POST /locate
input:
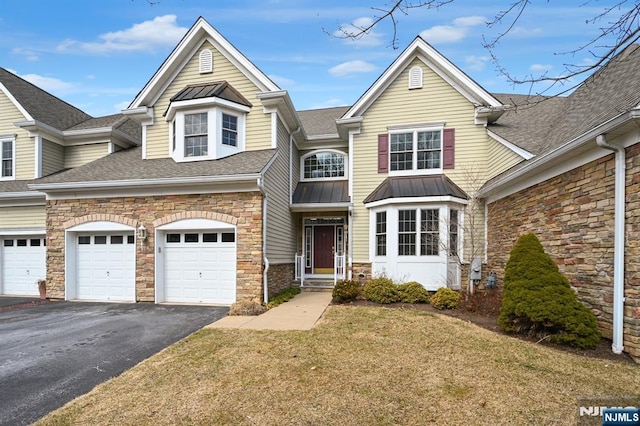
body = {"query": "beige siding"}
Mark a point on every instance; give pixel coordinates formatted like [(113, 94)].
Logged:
[(501, 158), (281, 244), (52, 157), (437, 101), (258, 125), (24, 145), (22, 217), (82, 154)]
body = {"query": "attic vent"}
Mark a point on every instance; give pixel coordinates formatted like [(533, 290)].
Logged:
[(206, 61), (415, 78)]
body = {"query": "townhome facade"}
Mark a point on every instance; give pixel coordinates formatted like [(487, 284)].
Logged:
[(210, 187)]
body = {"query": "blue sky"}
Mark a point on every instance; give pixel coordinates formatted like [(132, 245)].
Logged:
[(97, 54)]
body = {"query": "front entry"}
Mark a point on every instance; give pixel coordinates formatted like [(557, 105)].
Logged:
[(324, 249)]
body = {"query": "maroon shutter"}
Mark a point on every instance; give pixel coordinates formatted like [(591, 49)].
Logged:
[(383, 153), (449, 149)]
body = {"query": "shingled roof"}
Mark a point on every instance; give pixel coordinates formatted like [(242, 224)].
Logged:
[(540, 125), (321, 122), (129, 165), (41, 105)]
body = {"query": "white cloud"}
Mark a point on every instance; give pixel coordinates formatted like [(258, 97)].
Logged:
[(162, 31), (352, 33), (28, 54), (282, 81), (351, 67), (329, 103), (49, 84), (541, 67), (477, 63), (121, 105), (452, 33)]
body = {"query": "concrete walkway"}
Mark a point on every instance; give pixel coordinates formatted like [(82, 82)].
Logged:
[(300, 313)]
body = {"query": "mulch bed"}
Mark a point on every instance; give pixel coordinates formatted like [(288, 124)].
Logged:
[(490, 322)]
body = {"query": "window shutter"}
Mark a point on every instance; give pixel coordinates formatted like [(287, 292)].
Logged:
[(383, 153), (448, 150)]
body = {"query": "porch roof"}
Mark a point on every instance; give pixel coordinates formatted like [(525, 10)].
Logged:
[(416, 186), (325, 192)]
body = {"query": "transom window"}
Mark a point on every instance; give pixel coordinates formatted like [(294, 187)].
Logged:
[(196, 140), (6, 158), (415, 150), (326, 164)]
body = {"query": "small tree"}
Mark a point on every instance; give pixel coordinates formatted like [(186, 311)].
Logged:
[(538, 299)]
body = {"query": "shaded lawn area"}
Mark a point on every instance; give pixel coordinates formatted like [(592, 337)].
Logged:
[(359, 366)]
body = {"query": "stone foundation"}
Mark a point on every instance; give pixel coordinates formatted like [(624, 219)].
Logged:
[(244, 210), (573, 216), (280, 277)]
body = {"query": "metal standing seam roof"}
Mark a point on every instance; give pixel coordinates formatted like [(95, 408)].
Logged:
[(415, 186), (128, 165), (321, 192), (216, 89)]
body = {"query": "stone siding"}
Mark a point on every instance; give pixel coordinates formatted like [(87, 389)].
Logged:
[(573, 216), (244, 210), (280, 277)]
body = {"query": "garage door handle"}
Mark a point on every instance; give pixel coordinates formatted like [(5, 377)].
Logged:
[(27, 272), (200, 274), (107, 273)]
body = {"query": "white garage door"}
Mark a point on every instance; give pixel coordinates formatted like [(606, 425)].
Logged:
[(23, 264), (200, 267), (106, 267)]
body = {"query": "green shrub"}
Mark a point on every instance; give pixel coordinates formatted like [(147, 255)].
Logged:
[(283, 296), (381, 290), (445, 298), (346, 291), (538, 300), (413, 292)]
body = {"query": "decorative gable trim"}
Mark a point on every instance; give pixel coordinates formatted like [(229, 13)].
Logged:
[(200, 31), (15, 102), (435, 61), (521, 152)]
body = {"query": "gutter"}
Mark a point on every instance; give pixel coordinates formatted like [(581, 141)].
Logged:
[(617, 346), (265, 278)]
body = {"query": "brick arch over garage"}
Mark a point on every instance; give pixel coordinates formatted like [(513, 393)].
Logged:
[(100, 218), (221, 217)]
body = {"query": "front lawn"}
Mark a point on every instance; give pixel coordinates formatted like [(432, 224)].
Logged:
[(360, 366)]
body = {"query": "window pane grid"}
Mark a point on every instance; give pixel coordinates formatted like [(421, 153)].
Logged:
[(406, 233), (324, 164), (429, 232), (7, 159), (401, 149), (429, 149), (229, 130), (195, 135), (453, 232), (381, 234)]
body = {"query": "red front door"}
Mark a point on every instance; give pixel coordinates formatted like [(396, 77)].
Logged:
[(323, 249)]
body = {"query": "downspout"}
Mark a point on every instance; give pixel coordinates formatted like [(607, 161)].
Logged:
[(265, 279), (617, 345)]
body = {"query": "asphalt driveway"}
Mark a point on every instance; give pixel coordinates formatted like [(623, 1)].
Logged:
[(52, 353)]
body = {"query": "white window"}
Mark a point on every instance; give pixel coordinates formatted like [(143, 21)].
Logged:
[(381, 233), (206, 134), (7, 162), (415, 150), (323, 165)]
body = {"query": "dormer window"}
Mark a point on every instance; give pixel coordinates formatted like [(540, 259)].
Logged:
[(323, 165), (207, 122)]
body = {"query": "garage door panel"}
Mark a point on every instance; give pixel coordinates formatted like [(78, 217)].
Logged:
[(200, 272), (23, 264)]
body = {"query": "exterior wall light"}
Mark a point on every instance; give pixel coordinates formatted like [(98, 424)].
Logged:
[(142, 232)]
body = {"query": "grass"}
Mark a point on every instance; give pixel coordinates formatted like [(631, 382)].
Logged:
[(373, 366)]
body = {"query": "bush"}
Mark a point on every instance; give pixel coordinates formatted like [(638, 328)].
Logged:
[(381, 290), (538, 300), (346, 291), (283, 296), (413, 292), (247, 307), (445, 298)]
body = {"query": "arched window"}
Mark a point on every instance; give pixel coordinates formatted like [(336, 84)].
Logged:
[(324, 164)]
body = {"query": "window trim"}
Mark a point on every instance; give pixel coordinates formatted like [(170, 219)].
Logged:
[(414, 152), (319, 151), (12, 141), (215, 148)]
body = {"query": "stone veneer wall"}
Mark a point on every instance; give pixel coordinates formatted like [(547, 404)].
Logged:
[(280, 277), (242, 209), (573, 216)]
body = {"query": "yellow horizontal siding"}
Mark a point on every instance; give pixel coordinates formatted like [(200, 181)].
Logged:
[(258, 125), (24, 145), (437, 101), (501, 158), (52, 157), (76, 156), (22, 217)]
